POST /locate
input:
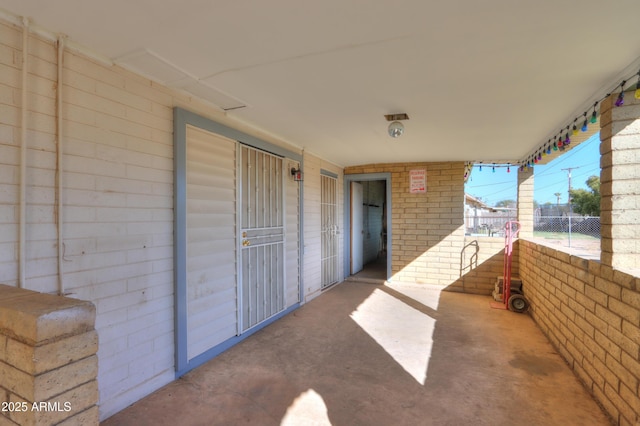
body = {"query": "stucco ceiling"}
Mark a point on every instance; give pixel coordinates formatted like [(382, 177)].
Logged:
[(481, 80)]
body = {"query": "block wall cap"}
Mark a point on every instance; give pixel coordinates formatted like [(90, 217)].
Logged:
[(38, 318)]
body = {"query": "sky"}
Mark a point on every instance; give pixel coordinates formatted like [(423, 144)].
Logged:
[(492, 187)]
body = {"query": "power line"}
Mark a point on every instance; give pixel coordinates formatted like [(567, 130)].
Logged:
[(568, 156)]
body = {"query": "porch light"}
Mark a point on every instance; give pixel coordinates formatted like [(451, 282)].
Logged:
[(396, 128)]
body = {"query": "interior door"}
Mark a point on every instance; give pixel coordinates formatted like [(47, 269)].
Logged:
[(261, 237), (357, 231), (329, 231)]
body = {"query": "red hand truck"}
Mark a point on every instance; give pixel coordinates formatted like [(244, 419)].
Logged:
[(515, 302)]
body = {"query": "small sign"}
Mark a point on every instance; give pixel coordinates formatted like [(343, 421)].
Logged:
[(417, 181)]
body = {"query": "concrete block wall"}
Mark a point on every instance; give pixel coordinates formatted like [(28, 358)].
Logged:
[(478, 275), (427, 229), (591, 313), (48, 363)]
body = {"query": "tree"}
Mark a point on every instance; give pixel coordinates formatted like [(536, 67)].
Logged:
[(506, 203), (587, 202)]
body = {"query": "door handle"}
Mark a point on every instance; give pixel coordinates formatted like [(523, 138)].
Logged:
[(246, 243)]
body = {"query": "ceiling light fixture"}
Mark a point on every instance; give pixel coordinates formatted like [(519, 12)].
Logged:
[(396, 128)]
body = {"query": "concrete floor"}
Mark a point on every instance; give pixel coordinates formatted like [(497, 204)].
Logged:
[(365, 354)]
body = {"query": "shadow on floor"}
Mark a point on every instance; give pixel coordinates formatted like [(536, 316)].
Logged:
[(365, 354)]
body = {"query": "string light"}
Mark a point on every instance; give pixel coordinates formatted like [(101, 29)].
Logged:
[(594, 117), (620, 100), (558, 142)]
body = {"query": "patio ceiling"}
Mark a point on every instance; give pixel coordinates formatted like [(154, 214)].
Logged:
[(480, 81)]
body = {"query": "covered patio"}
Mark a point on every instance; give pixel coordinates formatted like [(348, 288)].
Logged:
[(189, 193), (367, 354)]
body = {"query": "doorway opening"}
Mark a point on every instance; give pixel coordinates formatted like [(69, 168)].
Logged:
[(369, 225)]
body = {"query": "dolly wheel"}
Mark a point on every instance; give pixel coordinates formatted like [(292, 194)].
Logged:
[(517, 303)]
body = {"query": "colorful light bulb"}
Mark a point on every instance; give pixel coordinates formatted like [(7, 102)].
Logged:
[(567, 140), (508, 169), (493, 169), (585, 125), (575, 128), (555, 146), (620, 100)]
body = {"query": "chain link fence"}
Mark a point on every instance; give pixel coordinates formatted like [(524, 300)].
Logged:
[(552, 225), (557, 222)]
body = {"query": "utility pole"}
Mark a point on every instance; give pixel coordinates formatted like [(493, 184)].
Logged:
[(568, 169)]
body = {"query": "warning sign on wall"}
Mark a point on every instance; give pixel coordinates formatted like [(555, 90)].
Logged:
[(417, 181)]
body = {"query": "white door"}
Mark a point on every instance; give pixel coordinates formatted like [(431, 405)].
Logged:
[(357, 231), (329, 232), (262, 239)]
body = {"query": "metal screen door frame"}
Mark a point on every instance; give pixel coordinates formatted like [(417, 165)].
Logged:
[(261, 236), (329, 230)]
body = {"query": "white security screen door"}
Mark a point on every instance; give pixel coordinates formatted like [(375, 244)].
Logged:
[(261, 237), (329, 233)]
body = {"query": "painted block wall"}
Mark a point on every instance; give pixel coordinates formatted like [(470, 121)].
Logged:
[(118, 203), (591, 313), (427, 229)]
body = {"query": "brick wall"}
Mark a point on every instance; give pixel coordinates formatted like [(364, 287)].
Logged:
[(620, 178), (479, 274), (427, 229), (591, 314), (48, 364)]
